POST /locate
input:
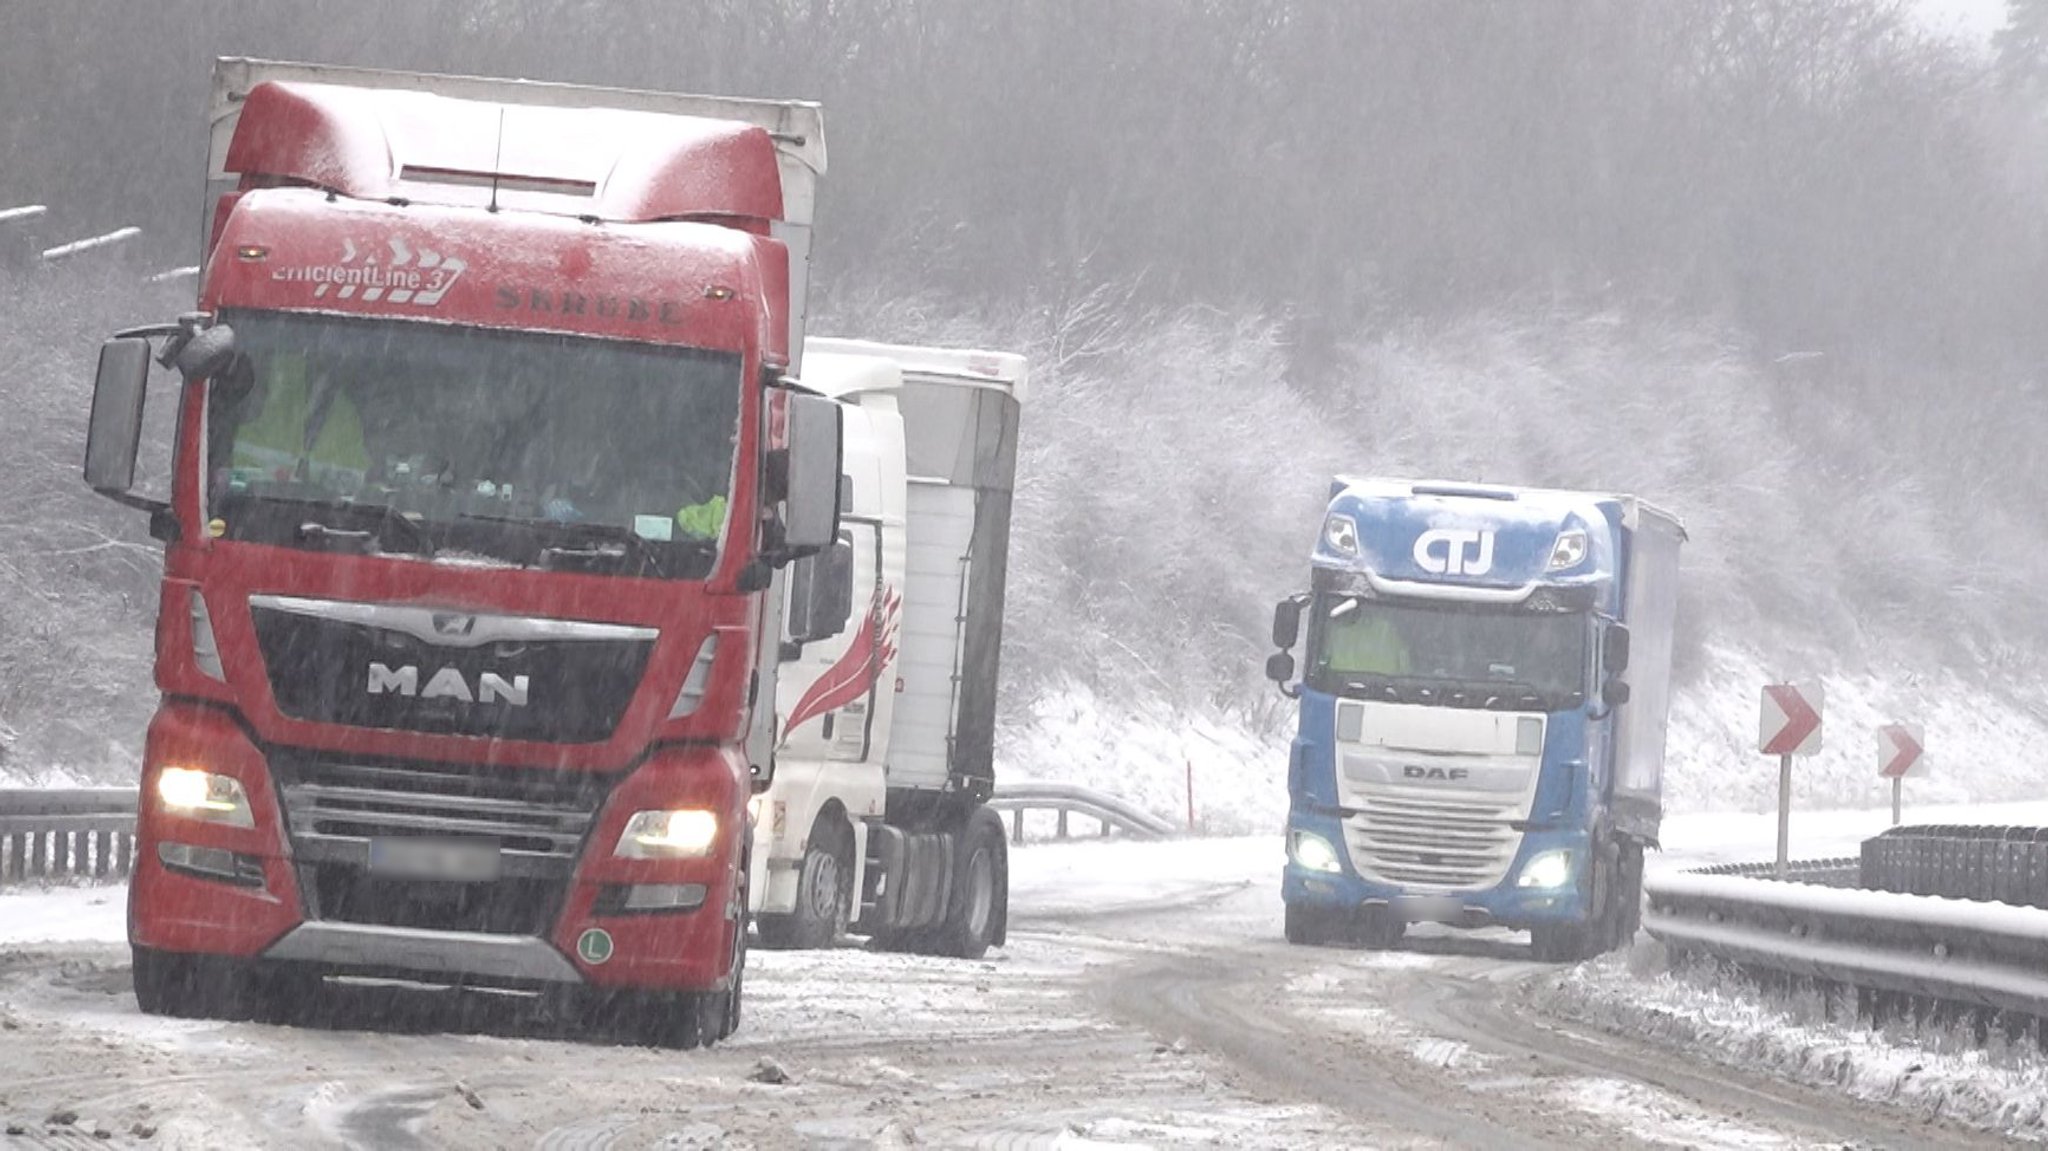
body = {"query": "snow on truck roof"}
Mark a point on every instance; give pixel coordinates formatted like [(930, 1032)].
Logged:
[(1383, 488), (838, 367)]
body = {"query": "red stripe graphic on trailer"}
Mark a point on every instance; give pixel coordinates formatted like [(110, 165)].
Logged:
[(855, 673)]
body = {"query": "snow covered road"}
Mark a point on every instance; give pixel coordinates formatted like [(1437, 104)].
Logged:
[(1145, 1000)]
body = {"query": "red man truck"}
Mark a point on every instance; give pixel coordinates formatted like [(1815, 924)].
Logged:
[(489, 477)]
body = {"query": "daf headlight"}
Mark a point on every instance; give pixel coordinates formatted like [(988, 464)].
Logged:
[(1550, 870), (1315, 853), (685, 834), (203, 795), (1569, 551), (1341, 533)]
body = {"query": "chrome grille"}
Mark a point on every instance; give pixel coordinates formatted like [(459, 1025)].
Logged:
[(1414, 838), (538, 818)]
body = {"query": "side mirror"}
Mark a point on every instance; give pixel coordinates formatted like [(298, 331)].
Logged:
[(821, 594), (810, 521), (114, 435), (1615, 693), (207, 354), (1280, 666), (1614, 649), (1287, 623)]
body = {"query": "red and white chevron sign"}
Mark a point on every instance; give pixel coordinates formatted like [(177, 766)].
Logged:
[(1791, 719), (1899, 748)]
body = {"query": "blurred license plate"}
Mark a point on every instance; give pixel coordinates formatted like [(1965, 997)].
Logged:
[(454, 860), (1429, 908)]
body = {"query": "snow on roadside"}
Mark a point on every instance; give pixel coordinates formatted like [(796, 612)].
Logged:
[(32, 915), (2003, 1088)]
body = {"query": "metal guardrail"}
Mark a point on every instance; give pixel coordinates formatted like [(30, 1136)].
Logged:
[(1978, 955), (90, 831), (67, 832), (1110, 813)]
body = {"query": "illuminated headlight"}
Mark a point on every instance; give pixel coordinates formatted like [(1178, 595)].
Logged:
[(1552, 869), (1569, 551), (203, 795), (1315, 853), (686, 834), (1341, 533)]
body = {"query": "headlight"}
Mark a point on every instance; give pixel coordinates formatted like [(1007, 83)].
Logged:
[(203, 795), (1551, 869), (1341, 533), (1569, 551), (686, 834), (1315, 853)]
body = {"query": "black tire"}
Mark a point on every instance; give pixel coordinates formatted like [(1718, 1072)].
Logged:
[(978, 906), (1378, 929), (185, 986), (1311, 926), (1578, 942), (719, 1011), (824, 894)]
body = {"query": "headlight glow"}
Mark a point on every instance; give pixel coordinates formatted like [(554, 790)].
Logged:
[(203, 795), (1315, 853), (1550, 870), (685, 834)]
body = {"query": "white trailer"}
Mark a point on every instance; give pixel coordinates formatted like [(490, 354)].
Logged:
[(875, 819)]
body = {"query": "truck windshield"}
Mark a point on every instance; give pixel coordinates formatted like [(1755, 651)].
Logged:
[(1450, 655), (446, 441)]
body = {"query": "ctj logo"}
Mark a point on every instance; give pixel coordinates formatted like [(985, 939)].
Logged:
[(1455, 551)]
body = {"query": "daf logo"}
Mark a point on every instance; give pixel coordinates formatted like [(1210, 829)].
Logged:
[(1436, 774), (1454, 551), (447, 683), (452, 624)]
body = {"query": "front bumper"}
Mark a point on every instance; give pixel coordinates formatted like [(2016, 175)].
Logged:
[(583, 937), (1502, 905)]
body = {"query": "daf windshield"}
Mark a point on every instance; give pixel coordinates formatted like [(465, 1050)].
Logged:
[(448, 442), (1452, 655)]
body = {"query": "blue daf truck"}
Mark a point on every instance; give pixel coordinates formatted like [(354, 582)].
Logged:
[(1484, 685)]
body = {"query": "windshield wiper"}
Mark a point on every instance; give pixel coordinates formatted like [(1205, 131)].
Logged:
[(612, 544), (378, 522)]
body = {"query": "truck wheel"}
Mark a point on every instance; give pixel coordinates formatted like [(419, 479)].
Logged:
[(824, 895), (215, 987), (718, 1012), (1577, 942), (1311, 926), (1630, 919), (980, 898), (1378, 929)]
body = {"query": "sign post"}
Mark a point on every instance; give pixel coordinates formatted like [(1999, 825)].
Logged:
[(1899, 750), (1790, 725)]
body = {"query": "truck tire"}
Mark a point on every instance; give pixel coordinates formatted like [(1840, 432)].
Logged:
[(980, 901), (1377, 929), (1578, 942), (1311, 926), (186, 986), (719, 1011), (824, 894)]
